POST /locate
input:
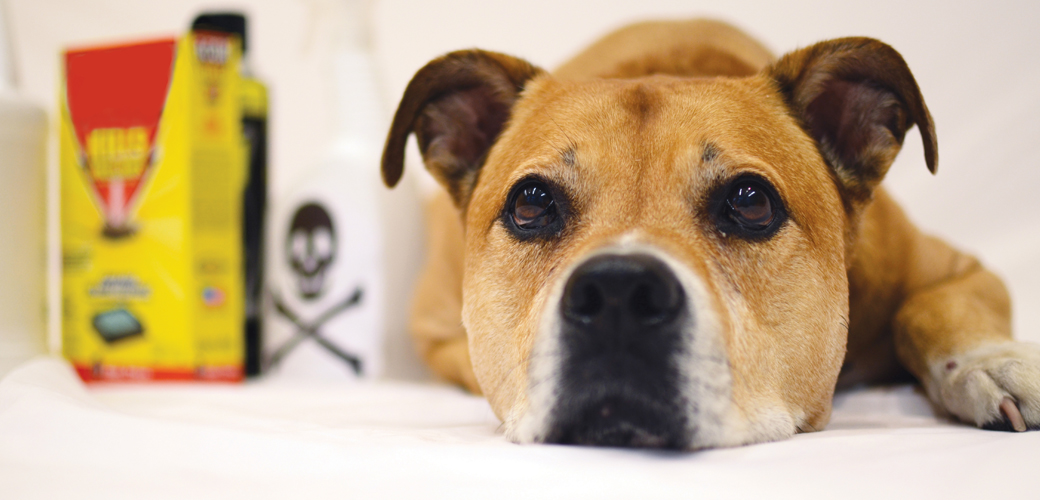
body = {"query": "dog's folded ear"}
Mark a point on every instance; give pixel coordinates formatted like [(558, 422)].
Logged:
[(456, 105), (857, 98)]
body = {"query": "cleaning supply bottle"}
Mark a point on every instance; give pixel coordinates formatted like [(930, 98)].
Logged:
[(327, 286), (23, 133), (254, 198)]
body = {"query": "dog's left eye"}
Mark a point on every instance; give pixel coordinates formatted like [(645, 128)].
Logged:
[(749, 205), (749, 208), (532, 206)]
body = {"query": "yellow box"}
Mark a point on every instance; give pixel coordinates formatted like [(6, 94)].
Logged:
[(152, 173)]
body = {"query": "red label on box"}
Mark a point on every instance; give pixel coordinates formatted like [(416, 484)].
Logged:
[(115, 98)]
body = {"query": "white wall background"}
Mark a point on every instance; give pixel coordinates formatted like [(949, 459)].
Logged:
[(978, 67)]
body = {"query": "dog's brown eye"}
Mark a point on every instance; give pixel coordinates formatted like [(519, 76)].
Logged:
[(533, 206), (748, 208), (749, 205)]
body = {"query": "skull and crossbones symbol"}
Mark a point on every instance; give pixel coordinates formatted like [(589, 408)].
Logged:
[(311, 247), (311, 250)]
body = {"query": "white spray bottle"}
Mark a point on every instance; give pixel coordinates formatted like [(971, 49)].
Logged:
[(326, 286)]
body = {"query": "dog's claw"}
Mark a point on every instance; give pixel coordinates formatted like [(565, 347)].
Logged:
[(1013, 416)]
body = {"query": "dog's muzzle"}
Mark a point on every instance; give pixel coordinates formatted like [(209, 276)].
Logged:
[(621, 339)]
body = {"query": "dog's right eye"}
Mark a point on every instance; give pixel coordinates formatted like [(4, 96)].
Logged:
[(532, 206)]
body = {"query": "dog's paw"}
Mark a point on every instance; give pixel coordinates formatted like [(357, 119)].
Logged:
[(995, 387)]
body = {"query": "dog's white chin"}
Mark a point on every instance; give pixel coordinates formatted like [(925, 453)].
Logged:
[(713, 420)]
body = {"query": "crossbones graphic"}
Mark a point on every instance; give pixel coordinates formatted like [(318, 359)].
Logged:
[(305, 330)]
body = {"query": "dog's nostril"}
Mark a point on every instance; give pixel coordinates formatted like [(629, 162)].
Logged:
[(643, 304), (655, 301), (589, 301)]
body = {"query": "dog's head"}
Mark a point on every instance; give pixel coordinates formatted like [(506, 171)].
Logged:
[(660, 261)]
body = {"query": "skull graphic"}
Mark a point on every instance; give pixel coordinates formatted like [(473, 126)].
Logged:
[(311, 248)]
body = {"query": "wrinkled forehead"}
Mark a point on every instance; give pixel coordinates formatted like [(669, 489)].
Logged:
[(666, 130)]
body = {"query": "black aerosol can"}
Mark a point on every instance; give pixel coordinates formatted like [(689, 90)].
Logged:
[(254, 199)]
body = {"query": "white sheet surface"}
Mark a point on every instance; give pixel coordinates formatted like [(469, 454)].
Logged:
[(60, 439)]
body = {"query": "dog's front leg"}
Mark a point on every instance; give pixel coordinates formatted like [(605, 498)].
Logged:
[(954, 334), (436, 321)]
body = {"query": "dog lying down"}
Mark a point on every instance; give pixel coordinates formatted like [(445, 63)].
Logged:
[(677, 241)]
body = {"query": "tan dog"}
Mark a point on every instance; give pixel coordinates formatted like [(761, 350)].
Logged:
[(676, 241)]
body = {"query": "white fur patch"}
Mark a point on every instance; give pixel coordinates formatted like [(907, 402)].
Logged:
[(531, 424)]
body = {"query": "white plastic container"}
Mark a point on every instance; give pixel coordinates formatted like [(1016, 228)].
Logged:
[(23, 133), (327, 279)]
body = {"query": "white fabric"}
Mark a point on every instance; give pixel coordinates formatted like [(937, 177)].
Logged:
[(59, 439)]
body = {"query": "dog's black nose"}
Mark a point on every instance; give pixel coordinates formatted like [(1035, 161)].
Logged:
[(624, 318), (622, 291)]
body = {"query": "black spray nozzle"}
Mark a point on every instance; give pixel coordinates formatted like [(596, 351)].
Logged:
[(222, 22)]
